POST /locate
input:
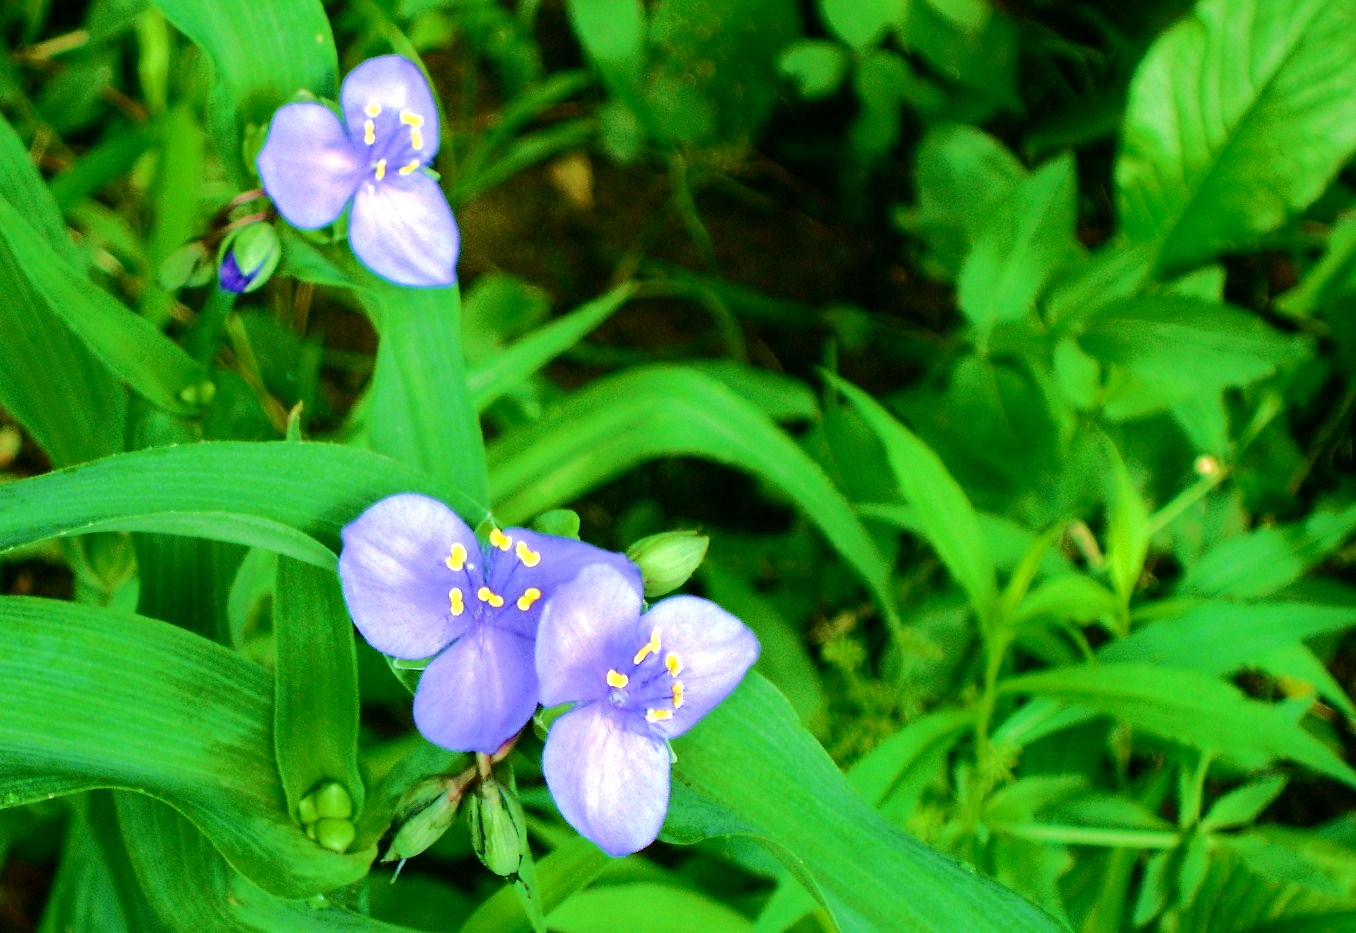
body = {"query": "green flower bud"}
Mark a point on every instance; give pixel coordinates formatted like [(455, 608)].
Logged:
[(332, 801), (668, 559), (425, 812), (498, 832), (306, 810), (189, 265), (248, 257), (335, 835)]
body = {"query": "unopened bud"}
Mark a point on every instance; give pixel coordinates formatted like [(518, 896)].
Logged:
[(424, 813), (333, 801), (335, 835), (189, 265), (668, 559), (248, 257), (498, 833)]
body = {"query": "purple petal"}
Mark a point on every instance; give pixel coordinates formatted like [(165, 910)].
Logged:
[(394, 84), (588, 624), (403, 230), (232, 279), (714, 648), (308, 165), (546, 563), (610, 783), (478, 693), (395, 577)]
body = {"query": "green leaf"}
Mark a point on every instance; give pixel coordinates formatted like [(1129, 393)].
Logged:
[(566, 870), (817, 66), (943, 511), (263, 54), (23, 187), (272, 490), (133, 349), (759, 773), (1187, 706), (666, 411), (860, 23), (1238, 116), (612, 32), (1243, 804), (1268, 559), (668, 909), (1027, 236), (315, 718), (90, 698), (1331, 277)]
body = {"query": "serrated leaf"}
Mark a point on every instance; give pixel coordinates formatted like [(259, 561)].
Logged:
[(1238, 116)]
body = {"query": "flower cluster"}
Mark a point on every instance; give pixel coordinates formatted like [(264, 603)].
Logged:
[(313, 166), (528, 618)]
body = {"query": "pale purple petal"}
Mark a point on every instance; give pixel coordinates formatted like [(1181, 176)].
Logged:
[(395, 576), (546, 563), (403, 230), (393, 84), (714, 648), (478, 693), (610, 783), (588, 625), (309, 166)]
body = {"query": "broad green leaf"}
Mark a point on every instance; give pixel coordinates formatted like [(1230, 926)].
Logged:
[(274, 490), (566, 870), (817, 66), (1187, 706), (1239, 115), (1243, 804), (90, 697), (612, 32), (1268, 559), (1028, 235), (263, 54), (666, 909), (861, 23), (1299, 663), (497, 375), (422, 413), (132, 348), (315, 723), (666, 411), (944, 512), (1223, 637), (23, 187), (756, 772)]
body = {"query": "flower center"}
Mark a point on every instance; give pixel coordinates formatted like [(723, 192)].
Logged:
[(489, 595), (393, 139), (652, 684)]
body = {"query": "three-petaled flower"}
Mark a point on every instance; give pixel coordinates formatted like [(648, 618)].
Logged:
[(312, 166), (419, 584), (636, 682)]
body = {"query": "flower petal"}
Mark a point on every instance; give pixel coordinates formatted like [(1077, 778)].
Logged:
[(395, 577), (610, 783), (478, 693), (529, 560), (393, 84), (588, 624), (713, 647), (308, 165), (403, 230)]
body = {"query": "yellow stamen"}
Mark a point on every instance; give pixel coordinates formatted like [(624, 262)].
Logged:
[(369, 132), (457, 559), (673, 664), (487, 595), (658, 715), (456, 600), (373, 109), (530, 596), (617, 680), (529, 557), (500, 540), (647, 649), (416, 139), (677, 694), (410, 166), (410, 118), (381, 169)]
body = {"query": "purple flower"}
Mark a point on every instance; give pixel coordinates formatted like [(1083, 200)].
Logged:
[(418, 584), (312, 166), (636, 682)]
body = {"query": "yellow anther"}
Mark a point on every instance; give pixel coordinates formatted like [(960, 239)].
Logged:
[(381, 169), (674, 666), (456, 600), (617, 680), (457, 559), (410, 118), (500, 540), (530, 596), (658, 715), (373, 109), (677, 694), (410, 166), (487, 595), (416, 139), (369, 132), (647, 649), (529, 557)]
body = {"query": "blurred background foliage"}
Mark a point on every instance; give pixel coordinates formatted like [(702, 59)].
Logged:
[(1092, 264)]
